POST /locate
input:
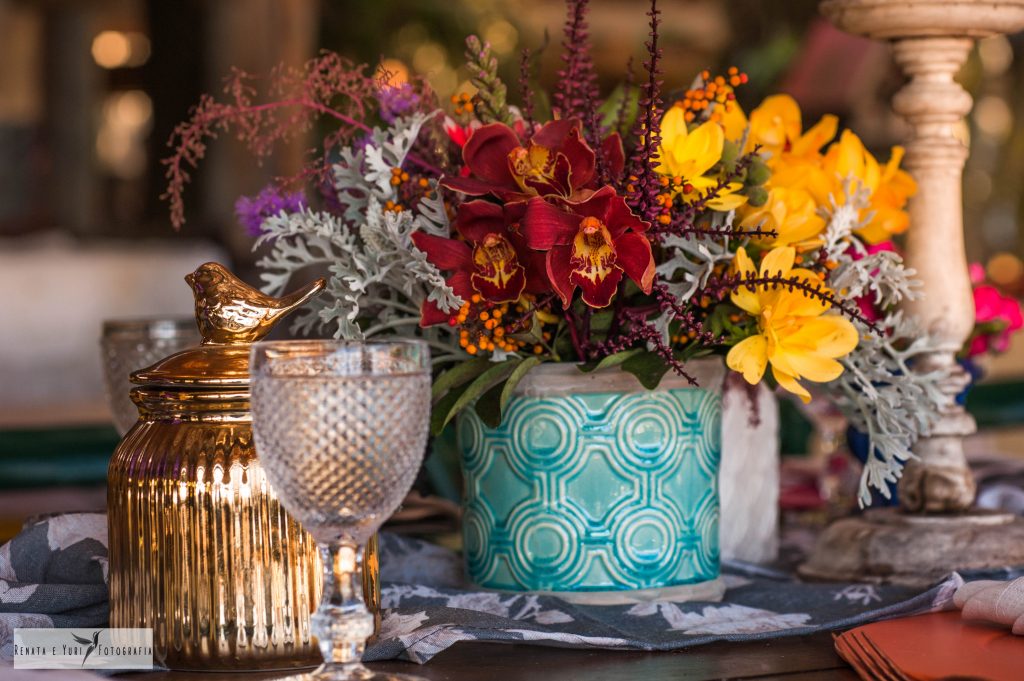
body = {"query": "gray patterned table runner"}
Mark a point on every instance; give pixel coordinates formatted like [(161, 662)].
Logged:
[(54, 574)]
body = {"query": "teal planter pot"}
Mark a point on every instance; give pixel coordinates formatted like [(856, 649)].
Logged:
[(596, 489)]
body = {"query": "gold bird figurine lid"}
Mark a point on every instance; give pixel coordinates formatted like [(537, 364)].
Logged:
[(231, 315)]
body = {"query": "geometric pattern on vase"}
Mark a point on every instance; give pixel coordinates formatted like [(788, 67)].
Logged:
[(593, 492)]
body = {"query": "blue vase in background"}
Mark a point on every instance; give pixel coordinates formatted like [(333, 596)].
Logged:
[(595, 488)]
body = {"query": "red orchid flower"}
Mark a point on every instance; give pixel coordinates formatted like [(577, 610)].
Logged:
[(555, 162), (488, 262), (459, 134), (590, 245)]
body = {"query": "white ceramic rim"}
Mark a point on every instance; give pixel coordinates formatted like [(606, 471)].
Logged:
[(558, 379)]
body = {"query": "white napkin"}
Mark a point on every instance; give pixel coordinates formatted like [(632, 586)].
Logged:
[(993, 601)]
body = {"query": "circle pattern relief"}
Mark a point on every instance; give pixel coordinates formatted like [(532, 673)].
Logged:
[(535, 525)]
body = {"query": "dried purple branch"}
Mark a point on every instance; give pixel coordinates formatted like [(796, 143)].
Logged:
[(526, 91), (641, 333), (643, 181), (722, 284), (627, 92), (577, 93)]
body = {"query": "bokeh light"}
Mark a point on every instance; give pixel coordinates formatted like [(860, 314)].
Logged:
[(117, 49)]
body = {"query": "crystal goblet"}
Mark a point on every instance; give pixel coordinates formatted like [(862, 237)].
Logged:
[(340, 428), (132, 344)]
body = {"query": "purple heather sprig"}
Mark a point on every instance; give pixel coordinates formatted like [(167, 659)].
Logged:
[(642, 178), (396, 101), (251, 211)]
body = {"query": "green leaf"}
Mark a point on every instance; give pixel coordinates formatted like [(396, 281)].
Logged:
[(517, 375), (610, 360), (446, 408), (488, 406), (491, 405), (457, 375), (648, 367)]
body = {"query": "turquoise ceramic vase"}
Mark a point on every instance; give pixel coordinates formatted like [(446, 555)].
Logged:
[(596, 489)]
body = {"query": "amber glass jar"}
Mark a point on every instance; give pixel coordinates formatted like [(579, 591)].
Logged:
[(200, 548)]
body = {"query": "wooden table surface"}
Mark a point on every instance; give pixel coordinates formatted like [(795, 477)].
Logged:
[(805, 658)]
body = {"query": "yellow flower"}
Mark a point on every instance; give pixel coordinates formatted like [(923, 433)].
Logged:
[(777, 127), (690, 154), (890, 186), (791, 213), (793, 336)]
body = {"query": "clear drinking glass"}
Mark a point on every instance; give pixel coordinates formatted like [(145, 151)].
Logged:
[(340, 428), (132, 344)]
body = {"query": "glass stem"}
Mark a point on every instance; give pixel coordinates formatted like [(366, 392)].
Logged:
[(342, 623)]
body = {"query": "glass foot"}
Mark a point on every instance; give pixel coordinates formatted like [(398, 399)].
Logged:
[(350, 672)]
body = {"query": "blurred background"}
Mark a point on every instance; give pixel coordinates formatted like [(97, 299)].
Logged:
[(90, 91)]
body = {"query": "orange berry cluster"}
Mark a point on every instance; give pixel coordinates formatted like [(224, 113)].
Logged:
[(398, 176), (672, 186), (463, 103), (483, 328), (714, 91), (409, 190)]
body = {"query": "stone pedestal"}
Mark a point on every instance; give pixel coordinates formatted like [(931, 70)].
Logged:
[(931, 40)]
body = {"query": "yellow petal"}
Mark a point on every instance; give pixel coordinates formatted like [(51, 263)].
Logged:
[(733, 122), (797, 303), (789, 383), (727, 201), (830, 336), (818, 136), (809, 365), (775, 122), (778, 261), (743, 297), (749, 357), (703, 148)]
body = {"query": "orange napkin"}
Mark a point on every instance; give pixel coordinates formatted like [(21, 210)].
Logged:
[(930, 647)]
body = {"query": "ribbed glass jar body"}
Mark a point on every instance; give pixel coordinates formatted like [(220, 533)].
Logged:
[(200, 548)]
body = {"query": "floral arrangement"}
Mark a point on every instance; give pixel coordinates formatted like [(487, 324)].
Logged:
[(628, 232)]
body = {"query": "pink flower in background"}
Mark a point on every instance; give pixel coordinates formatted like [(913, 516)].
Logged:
[(977, 272), (997, 317), (867, 305)]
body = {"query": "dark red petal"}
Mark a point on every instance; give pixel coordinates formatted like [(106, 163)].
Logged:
[(486, 153), (496, 292), (545, 226), (614, 156), (460, 284), (431, 314), (477, 219), (559, 273), (467, 185), (534, 264), (596, 205), (633, 252), (620, 218), (552, 134), (444, 254), (581, 160), (597, 293), (514, 212)]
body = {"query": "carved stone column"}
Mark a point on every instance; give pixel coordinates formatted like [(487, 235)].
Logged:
[(934, 105), (931, 40)]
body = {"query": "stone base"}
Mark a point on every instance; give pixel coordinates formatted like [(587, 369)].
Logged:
[(887, 546)]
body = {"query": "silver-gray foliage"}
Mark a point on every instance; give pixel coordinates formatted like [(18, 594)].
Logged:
[(880, 392), (377, 278)]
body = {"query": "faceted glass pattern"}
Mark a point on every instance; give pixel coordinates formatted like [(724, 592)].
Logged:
[(341, 428)]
